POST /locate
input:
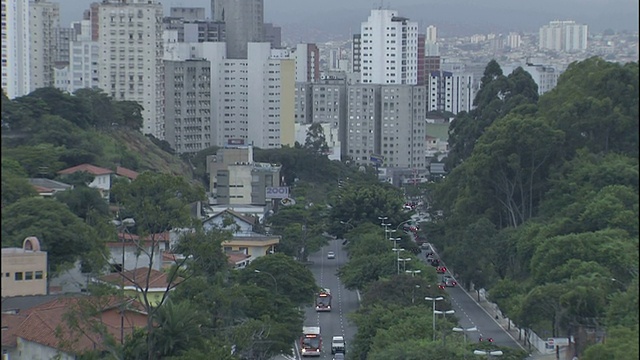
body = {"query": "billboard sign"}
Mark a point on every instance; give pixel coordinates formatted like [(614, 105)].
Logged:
[(277, 192), (376, 159)]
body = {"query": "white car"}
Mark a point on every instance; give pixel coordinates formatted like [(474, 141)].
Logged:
[(331, 255)]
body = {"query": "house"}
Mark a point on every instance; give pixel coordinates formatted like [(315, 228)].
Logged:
[(24, 270), (238, 260), (155, 282), (48, 187), (47, 331), (136, 252), (102, 177), (122, 172), (245, 240)]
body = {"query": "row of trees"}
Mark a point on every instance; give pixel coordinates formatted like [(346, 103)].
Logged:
[(394, 320), (545, 193)]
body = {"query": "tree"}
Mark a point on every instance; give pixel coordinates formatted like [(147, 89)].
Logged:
[(158, 203), (64, 236), (621, 344), (315, 140), (86, 203), (14, 182), (178, 329)]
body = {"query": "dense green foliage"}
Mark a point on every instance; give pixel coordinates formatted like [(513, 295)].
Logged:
[(545, 193)]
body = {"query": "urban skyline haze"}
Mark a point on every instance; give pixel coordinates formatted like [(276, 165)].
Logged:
[(313, 21)]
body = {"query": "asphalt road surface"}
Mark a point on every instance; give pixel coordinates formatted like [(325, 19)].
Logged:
[(471, 314), (343, 301)]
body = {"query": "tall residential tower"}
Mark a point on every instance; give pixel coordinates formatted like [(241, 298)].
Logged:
[(244, 23), (15, 48)]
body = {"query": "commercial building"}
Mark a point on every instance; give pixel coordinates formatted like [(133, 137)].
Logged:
[(130, 66), (563, 36), (16, 66)]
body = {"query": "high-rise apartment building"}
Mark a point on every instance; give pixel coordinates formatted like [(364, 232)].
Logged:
[(514, 40), (450, 91), (252, 100), (273, 35), (15, 48), (356, 53), (307, 58), (187, 13), (131, 67), (44, 18), (563, 36), (244, 23), (195, 30), (80, 70), (360, 138), (188, 125), (389, 49)]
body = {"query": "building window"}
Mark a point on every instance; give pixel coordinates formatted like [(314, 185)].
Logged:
[(18, 276), (28, 275), (6, 274), (39, 275)]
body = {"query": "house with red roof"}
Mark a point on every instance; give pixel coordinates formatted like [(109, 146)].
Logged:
[(102, 177), (134, 282), (126, 173), (46, 331)]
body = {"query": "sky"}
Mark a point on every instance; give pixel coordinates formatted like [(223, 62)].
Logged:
[(338, 19)]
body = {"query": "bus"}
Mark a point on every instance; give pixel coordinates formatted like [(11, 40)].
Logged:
[(323, 300)]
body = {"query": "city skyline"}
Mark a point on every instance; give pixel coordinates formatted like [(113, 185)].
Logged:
[(304, 21)]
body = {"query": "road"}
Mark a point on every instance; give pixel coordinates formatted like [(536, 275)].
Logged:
[(471, 314), (343, 301)]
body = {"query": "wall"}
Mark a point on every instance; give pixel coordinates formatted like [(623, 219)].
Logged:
[(31, 350), (17, 260)]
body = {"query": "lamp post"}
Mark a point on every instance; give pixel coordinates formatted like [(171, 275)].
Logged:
[(395, 245), (464, 334), (274, 279), (433, 301), (413, 293), (384, 223), (124, 226), (413, 272), (347, 223), (398, 250), (490, 354), (404, 264), (444, 313)]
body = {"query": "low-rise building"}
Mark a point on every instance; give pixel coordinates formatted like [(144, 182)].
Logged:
[(24, 270), (134, 282), (102, 177)]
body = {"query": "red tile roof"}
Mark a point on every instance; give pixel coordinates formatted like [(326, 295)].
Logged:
[(91, 169), (126, 173), (138, 277), (10, 323), (234, 258), (47, 324)]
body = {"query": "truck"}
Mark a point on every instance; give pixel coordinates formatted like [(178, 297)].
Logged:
[(337, 345), (323, 300), (310, 341)]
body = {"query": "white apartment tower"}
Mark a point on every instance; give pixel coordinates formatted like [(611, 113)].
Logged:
[(15, 48), (131, 67), (563, 36), (81, 70), (389, 49), (44, 18)]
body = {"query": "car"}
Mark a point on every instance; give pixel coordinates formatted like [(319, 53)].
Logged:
[(338, 356), (441, 269), (449, 281), (331, 255)]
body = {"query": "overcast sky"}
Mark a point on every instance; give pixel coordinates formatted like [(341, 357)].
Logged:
[(452, 17)]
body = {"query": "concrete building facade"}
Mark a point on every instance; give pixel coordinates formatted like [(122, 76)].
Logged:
[(15, 48), (24, 270), (188, 126), (389, 49), (307, 58), (44, 18), (244, 22), (563, 36), (131, 67), (450, 91)]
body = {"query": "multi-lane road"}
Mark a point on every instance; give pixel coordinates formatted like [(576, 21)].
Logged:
[(343, 301), (471, 314)]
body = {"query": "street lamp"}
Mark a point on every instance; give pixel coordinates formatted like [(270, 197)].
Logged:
[(125, 224), (413, 272), (382, 219), (274, 279), (413, 293), (398, 250), (433, 301), (347, 223), (464, 334), (490, 354), (404, 264), (444, 313)]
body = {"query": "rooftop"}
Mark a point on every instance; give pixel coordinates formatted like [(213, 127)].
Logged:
[(91, 169)]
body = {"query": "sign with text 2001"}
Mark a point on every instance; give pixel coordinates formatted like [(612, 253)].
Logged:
[(277, 192)]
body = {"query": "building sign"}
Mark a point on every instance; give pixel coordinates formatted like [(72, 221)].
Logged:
[(235, 142), (277, 192)]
